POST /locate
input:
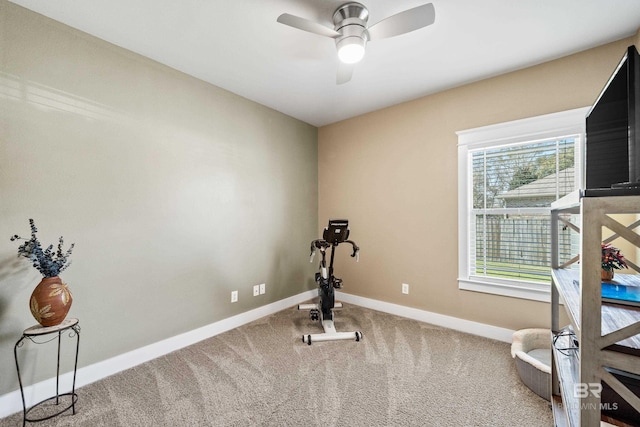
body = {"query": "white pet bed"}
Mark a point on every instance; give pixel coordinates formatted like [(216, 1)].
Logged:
[(531, 348)]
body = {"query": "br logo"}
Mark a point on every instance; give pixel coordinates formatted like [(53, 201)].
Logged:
[(582, 390)]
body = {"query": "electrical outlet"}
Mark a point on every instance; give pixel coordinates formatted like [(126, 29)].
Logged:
[(405, 288), (256, 290), (234, 296), (263, 288)]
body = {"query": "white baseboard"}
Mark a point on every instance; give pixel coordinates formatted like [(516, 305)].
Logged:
[(468, 326), (11, 403)]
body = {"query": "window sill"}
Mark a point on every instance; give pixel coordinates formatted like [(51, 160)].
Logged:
[(524, 290)]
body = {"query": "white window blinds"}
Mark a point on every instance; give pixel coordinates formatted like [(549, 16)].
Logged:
[(513, 188), (508, 176)]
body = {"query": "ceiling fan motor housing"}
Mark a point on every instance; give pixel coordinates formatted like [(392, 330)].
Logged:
[(350, 20)]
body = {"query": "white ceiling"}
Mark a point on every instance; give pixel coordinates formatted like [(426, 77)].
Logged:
[(239, 46)]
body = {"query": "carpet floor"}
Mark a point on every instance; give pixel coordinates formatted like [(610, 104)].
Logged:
[(402, 373)]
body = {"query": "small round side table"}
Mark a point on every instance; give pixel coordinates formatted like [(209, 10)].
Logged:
[(32, 334)]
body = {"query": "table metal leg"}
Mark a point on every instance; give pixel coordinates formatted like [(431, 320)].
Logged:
[(58, 370), (24, 404)]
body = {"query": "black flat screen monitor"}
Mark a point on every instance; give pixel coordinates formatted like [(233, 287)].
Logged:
[(613, 129)]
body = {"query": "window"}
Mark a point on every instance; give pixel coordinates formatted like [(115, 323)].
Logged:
[(509, 174)]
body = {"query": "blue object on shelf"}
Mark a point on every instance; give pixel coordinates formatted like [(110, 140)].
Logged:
[(621, 294)]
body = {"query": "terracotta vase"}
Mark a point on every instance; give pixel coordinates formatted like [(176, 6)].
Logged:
[(606, 275), (50, 301)]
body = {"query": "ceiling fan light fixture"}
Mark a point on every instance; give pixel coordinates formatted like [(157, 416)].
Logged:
[(351, 30), (351, 50), (350, 20)]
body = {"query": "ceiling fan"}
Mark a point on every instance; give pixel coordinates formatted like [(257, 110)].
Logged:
[(351, 32)]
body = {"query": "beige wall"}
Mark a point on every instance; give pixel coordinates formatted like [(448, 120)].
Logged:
[(175, 192), (393, 174)]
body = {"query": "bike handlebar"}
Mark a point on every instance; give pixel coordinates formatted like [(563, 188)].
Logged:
[(318, 244), (323, 245), (356, 250)]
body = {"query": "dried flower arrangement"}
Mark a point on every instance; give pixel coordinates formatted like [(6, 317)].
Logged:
[(48, 262)]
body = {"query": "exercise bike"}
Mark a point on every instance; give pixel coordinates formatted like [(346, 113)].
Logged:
[(334, 234)]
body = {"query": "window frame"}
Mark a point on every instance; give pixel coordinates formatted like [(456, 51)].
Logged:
[(545, 127)]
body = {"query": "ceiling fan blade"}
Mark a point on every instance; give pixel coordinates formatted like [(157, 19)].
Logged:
[(403, 22), (307, 25), (345, 71)]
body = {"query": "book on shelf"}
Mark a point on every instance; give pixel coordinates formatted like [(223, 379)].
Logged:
[(616, 293), (619, 292)]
